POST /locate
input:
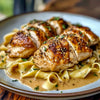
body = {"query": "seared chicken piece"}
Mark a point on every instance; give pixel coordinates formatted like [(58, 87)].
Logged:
[(92, 38), (61, 53), (21, 45), (37, 35), (58, 24), (44, 26), (53, 55), (79, 46), (77, 33)]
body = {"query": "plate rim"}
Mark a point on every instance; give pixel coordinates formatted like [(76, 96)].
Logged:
[(50, 95)]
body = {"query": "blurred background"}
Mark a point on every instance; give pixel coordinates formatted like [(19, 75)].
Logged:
[(14, 7)]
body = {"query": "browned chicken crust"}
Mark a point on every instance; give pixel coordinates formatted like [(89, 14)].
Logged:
[(21, 45)]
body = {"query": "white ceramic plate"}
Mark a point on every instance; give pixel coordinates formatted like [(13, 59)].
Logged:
[(15, 22)]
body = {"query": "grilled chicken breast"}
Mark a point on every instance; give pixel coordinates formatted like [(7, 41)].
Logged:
[(87, 33), (37, 35), (44, 26), (58, 24), (21, 45), (61, 53)]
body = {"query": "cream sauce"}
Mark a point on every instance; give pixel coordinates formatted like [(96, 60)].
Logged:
[(70, 84)]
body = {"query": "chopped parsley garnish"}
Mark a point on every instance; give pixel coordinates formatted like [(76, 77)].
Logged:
[(25, 69), (89, 40), (87, 45), (83, 35), (95, 74), (35, 69), (78, 24), (99, 56), (30, 81), (80, 32), (51, 37), (32, 28), (24, 59), (6, 54), (79, 43), (56, 18), (44, 42), (48, 37), (64, 26), (62, 36), (57, 36), (42, 22), (61, 92), (36, 88), (81, 64), (25, 25), (56, 85), (14, 80), (2, 56), (2, 60), (45, 49), (48, 28), (33, 21)]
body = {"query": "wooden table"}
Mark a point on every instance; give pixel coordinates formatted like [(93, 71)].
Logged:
[(86, 7)]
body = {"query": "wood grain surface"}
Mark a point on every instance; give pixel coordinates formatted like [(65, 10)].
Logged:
[(85, 7)]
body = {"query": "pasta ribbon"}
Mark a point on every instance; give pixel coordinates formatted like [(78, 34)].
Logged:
[(81, 73), (96, 67), (43, 75), (50, 82), (33, 70), (2, 60), (3, 48), (92, 60), (64, 75)]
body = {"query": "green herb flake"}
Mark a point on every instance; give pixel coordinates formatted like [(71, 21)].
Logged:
[(99, 56), (81, 64), (61, 92), (57, 36), (45, 49), (56, 18), (30, 81), (79, 43), (25, 25), (33, 21), (6, 54), (36, 88), (25, 69), (31, 28), (51, 37), (62, 36), (64, 26), (2, 60), (88, 40), (24, 59), (48, 28), (78, 24), (83, 35), (56, 85), (42, 22), (14, 80), (80, 32), (35, 69), (2, 56), (48, 37), (95, 74), (44, 42)]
